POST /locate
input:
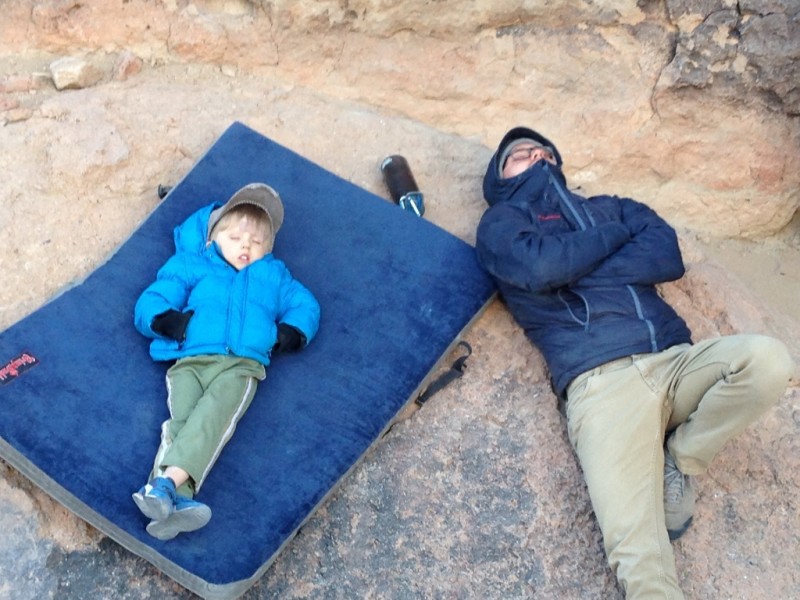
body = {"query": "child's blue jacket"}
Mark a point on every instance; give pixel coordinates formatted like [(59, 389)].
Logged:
[(235, 312), (578, 274)]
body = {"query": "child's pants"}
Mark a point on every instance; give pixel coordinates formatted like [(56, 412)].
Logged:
[(207, 395), (704, 394)]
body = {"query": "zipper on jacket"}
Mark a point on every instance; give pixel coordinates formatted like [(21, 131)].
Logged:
[(648, 322), (245, 286), (565, 199), (229, 338), (636, 302)]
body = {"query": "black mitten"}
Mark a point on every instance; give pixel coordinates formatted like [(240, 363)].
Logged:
[(172, 324), (289, 339)]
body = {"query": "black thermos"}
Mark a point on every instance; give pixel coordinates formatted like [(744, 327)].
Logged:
[(402, 187)]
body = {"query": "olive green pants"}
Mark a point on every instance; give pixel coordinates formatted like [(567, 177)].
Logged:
[(698, 396), (207, 396)]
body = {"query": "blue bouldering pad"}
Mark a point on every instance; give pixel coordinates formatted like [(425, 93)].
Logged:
[(81, 402)]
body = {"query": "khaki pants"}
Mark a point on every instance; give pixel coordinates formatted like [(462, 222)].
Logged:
[(207, 395), (701, 395)]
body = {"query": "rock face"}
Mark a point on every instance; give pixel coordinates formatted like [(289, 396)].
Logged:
[(692, 103), (691, 106)]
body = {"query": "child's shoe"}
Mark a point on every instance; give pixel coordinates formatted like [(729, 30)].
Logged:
[(188, 515), (156, 500)]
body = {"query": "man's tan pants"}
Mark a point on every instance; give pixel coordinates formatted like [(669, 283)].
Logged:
[(699, 396)]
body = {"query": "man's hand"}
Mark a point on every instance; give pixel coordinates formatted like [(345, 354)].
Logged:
[(172, 324), (290, 339)]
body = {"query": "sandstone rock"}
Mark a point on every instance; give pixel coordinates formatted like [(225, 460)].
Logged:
[(127, 65), (600, 78), (73, 73), (771, 42), (736, 51), (8, 103), (477, 494), (16, 83)]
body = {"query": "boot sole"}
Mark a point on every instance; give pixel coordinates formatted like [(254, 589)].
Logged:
[(674, 534), (180, 521), (157, 509)]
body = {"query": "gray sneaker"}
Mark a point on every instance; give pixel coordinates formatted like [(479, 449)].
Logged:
[(188, 515), (678, 498)]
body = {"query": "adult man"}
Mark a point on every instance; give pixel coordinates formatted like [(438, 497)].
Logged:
[(645, 407)]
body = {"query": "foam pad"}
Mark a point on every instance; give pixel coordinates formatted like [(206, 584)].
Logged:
[(81, 402)]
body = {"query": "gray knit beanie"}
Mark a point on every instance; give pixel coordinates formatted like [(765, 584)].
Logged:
[(501, 163)]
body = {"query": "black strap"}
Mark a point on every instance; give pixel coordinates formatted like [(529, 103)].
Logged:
[(456, 370)]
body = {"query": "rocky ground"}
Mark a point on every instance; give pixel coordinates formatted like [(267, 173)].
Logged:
[(477, 495)]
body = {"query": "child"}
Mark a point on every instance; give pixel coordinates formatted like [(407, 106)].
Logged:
[(221, 306)]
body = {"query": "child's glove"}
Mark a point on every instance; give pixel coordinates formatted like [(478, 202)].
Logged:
[(172, 324), (289, 339)]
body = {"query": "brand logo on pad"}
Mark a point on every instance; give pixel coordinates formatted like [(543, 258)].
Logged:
[(16, 366)]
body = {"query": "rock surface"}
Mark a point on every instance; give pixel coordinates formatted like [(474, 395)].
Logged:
[(691, 106)]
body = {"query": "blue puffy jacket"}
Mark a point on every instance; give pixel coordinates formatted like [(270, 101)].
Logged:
[(235, 312), (578, 274)]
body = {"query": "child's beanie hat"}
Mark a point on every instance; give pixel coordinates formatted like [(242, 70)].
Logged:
[(256, 194)]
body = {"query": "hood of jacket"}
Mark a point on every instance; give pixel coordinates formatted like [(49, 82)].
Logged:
[(192, 235), (528, 184)]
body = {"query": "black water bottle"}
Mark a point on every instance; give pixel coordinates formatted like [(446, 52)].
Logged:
[(402, 187)]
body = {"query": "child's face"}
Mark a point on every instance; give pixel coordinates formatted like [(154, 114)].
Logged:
[(243, 242)]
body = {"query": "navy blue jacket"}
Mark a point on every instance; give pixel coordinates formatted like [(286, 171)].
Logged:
[(578, 274)]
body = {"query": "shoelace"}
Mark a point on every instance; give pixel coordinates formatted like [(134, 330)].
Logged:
[(674, 481)]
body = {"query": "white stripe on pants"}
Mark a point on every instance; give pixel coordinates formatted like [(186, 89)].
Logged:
[(207, 396)]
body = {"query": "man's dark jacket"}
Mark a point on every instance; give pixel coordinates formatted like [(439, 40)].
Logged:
[(578, 274)]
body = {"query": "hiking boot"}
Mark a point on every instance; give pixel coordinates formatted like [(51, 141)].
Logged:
[(678, 498), (156, 499), (188, 515)]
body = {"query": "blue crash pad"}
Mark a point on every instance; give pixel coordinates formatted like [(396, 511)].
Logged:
[(81, 402)]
